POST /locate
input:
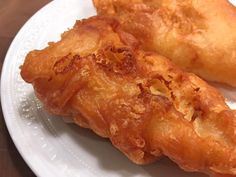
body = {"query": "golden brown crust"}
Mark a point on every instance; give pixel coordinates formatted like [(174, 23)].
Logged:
[(142, 102), (199, 36)]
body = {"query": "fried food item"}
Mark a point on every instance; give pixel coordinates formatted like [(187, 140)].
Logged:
[(220, 175), (198, 35), (144, 104)]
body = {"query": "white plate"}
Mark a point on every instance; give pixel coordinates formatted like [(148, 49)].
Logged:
[(50, 146)]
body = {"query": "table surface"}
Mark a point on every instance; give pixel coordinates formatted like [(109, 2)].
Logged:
[(13, 14)]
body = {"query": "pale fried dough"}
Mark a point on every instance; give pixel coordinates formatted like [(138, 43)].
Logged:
[(198, 35)]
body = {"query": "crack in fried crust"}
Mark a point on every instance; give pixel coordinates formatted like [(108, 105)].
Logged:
[(144, 104), (198, 35)]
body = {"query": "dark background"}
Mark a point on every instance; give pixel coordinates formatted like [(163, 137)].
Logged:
[(13, 14)]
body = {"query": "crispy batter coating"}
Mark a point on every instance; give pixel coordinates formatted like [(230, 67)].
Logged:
[(222, 175), (144, 104), (198, 35)]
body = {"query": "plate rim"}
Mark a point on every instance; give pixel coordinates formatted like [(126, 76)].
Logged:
[(3, 96)]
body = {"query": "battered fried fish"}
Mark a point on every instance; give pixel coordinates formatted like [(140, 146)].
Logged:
[(144, 104), (197, 35)]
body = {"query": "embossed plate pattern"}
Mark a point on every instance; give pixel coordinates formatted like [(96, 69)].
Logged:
[(49, 145)]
